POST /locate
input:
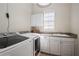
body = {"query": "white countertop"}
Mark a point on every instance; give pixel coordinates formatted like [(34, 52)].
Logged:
[(30, 35)]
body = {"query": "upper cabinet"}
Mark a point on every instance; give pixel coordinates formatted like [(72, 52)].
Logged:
[(20, 15), (3, 19), (37, 19)]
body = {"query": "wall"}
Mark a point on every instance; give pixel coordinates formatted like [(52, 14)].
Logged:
[(20, 15), (3, 19), (62, 15), (75, 22)]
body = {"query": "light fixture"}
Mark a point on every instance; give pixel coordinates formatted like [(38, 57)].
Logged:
[(43, 4)]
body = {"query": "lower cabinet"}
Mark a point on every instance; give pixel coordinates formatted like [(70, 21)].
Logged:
[(67, 47), (58, 46), (54, 46), (44, 44)]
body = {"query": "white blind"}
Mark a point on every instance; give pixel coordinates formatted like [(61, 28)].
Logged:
[(49, 21)]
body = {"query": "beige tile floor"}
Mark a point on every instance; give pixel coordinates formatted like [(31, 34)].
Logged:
[(42, 54), (45, 54)]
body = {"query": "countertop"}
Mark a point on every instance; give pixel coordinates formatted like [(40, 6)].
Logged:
[(55, 34), (52, 34)]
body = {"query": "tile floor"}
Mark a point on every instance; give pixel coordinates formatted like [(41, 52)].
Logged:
[(42, 54)]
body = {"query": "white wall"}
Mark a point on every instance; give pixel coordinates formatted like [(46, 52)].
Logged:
[(74, 18), (75, 21), (62, 12), (20, 15), (3, 19)]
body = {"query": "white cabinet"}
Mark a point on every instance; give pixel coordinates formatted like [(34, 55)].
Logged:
[(54, 44), (23, 49), (67, 46), (37, 19), (44, 44), (61, 46), (57, 45), (3, 19), (20, 14)]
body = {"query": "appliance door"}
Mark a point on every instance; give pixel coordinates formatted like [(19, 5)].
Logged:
[(37, 44)]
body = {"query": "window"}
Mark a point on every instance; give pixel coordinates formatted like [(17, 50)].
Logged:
[(49, 21)]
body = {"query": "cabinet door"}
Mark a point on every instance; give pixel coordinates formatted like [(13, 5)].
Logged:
[(67, 47), (20, 14), (54, 44), (37, 19), (3, 19), (44, 44)]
